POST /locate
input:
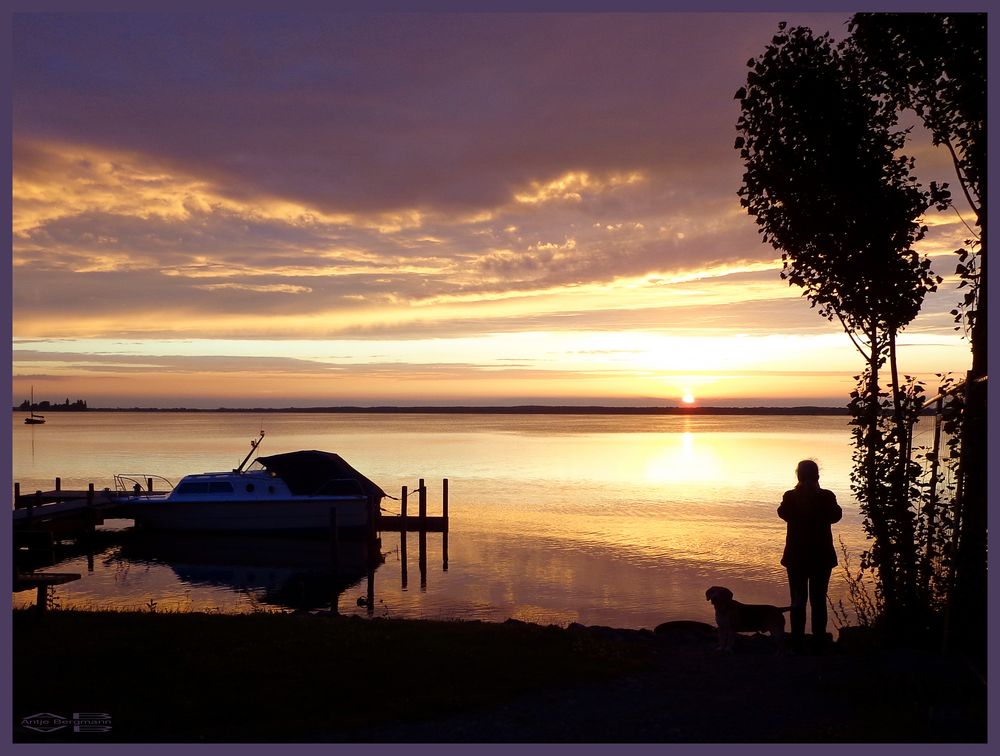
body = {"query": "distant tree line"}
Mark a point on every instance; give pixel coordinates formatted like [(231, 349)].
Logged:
[(77, 406)]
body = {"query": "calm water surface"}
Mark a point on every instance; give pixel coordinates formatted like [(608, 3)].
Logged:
[(613, 520)]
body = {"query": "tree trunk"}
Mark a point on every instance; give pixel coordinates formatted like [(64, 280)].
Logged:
[(882, 548), (904, 545), (969, 616)]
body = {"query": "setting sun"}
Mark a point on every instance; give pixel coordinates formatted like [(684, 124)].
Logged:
[(688, 398)]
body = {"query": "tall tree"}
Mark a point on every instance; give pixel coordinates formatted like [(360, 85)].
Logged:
[(828, 188), (935, 65)]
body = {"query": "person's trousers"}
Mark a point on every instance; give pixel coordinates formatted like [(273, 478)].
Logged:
[(808, 586)]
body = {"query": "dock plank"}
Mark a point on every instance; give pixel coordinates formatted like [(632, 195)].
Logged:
[(25, 581), (395, 523)]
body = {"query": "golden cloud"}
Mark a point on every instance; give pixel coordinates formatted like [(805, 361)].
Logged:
[(53, 180), (572, 187)]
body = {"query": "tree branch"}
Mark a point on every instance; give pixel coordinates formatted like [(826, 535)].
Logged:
[(962, 181), (853, 338)]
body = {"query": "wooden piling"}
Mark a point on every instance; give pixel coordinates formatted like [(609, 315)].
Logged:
[(422, 558), (149, 484), (403, 570), (17, 495), (404, 521), (444, 503), (402, 510), (41, 582), (58, 484), (444, 533)]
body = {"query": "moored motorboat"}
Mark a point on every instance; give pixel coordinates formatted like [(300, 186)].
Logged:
[(296, 491)]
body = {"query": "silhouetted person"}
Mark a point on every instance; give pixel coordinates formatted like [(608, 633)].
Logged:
[(809, 555)]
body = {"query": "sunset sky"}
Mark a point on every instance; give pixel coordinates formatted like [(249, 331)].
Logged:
[(241, 209)]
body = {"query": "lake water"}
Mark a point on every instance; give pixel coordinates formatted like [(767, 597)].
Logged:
[(600, 519)]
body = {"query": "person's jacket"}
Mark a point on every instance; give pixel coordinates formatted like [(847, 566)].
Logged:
[(809, 513)]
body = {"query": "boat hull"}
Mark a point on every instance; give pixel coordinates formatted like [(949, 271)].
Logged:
[(288, 516)]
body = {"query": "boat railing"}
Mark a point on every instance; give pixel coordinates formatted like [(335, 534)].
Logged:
[(141, 485)]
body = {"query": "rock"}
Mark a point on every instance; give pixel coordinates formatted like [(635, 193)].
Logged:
[(686, 631)]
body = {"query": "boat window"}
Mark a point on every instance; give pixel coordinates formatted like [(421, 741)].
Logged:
[(204, 487), (192, 488), (249, 487)]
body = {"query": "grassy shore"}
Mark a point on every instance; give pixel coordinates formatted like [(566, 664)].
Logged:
[(261, 676), (300, 678)]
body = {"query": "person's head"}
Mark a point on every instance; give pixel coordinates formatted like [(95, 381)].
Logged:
[(807, 472)]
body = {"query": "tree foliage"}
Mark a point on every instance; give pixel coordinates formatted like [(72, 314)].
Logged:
[(827, 186), (935, 65)]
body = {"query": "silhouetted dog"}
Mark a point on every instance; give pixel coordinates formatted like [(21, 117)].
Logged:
[(732, 617)]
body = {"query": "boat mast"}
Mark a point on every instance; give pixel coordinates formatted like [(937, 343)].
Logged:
[(253, 447)]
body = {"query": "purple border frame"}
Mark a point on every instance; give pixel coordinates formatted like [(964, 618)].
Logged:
[(15, 6)]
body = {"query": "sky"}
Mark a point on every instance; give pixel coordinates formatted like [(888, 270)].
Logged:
[(307, 209)]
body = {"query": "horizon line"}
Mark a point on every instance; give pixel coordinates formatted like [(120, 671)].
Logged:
[(537, 409)]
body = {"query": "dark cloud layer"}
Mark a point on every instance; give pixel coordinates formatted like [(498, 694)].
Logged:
[(366, 112)]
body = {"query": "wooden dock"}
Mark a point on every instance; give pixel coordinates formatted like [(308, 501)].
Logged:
[(421, 522), (47, 523), (62, 510), (42, 581), (68, 510)]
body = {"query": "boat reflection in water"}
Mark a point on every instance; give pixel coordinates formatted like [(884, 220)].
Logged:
[(298, 573)]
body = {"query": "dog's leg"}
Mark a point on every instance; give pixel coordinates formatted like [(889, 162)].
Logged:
[(778, 635), (728, 640)]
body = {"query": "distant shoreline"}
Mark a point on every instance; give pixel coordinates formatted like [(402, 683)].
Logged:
[(528, 409)]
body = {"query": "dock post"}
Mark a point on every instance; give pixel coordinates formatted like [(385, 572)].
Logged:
[(402, 510), (422, 536), (58, 484), (444, 503), (41, 598), (149, 484), (422, 558), (422, 505), (17, 495), (403, 571), (94, 518), (444, 533)]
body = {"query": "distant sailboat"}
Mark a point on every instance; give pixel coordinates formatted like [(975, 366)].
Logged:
[(33, 418)]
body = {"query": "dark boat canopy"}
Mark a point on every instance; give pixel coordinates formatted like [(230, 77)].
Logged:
[(309, 473)]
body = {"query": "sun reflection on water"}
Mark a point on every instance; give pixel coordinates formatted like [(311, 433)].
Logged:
[(609, 520)]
